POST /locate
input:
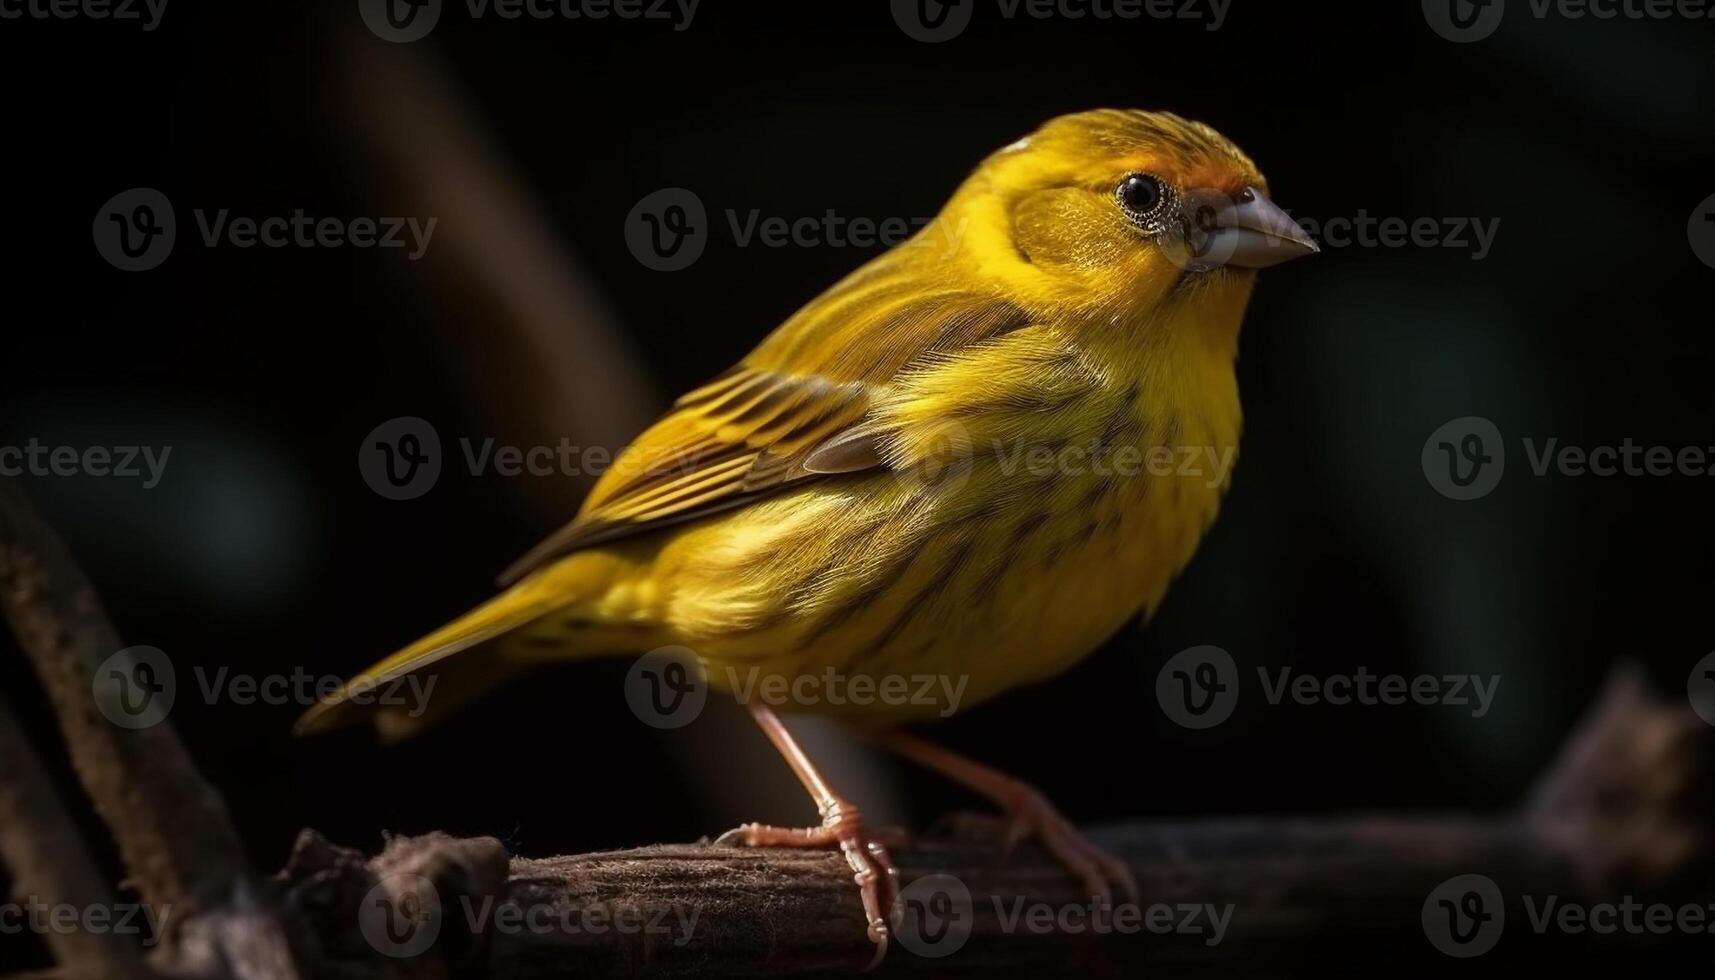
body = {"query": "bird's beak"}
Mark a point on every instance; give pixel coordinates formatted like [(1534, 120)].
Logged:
[(1252, 232)]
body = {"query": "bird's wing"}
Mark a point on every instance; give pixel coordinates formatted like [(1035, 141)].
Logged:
[(788, 413)]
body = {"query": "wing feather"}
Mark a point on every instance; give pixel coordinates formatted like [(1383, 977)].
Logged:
[(788, 413)]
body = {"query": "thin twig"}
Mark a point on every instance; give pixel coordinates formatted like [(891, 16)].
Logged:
[(50, 866), (171, 826)]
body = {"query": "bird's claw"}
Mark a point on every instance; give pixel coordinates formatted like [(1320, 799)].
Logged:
[(1031, 815), (865, 853)]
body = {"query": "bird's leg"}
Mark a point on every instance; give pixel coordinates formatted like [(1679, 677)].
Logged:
[(1029, 811), (842, 826)]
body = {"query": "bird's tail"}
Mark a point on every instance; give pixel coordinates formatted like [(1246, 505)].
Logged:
[(429, 679)]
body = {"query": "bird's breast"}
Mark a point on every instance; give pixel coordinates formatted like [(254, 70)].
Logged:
[(995, 570)]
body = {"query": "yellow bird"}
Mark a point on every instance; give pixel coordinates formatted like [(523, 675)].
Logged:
[(974, 458)]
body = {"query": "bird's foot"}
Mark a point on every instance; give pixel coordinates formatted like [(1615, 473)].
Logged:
[(865, 851), (1029, 814)]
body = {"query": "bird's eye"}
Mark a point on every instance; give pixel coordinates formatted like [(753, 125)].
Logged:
[(1145, 200)]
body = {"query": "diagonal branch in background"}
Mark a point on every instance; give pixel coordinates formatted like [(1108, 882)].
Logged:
[(1625, 811), (49, 864), (172, 828), (540, 349)]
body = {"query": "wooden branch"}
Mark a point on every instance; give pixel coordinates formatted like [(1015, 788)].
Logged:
[(49, 863), (1289, 895)]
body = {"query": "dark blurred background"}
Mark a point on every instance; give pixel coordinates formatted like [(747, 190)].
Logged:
[(263, 550)]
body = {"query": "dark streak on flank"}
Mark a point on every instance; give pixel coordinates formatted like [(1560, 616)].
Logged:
[(935, 586), (862, 599)]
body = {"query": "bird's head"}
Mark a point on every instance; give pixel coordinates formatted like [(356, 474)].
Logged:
[(1121, 211)]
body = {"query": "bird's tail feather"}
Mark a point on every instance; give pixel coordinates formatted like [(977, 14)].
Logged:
[(429, 679)]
